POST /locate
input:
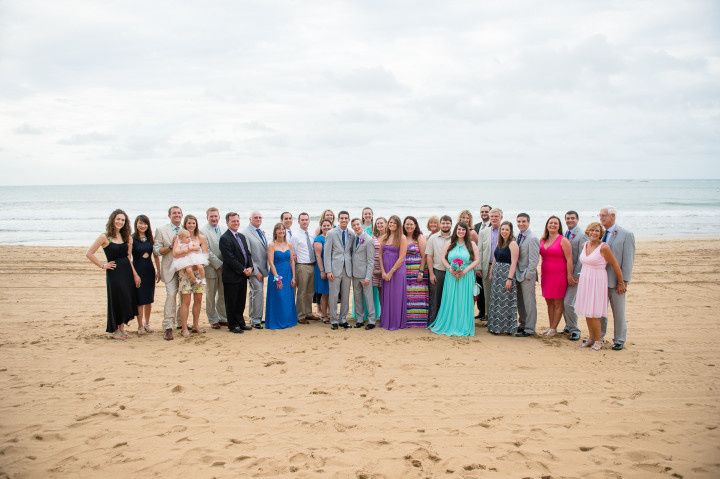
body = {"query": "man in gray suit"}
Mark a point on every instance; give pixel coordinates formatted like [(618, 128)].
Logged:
[(258, 243), (214, 294), (363, 262), (526, 276), (487, 241), (577, 239), (338, 265), (164, 239), (622, 244)]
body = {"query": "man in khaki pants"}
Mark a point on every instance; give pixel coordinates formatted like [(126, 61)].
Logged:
[(302, 242), (164, 238)]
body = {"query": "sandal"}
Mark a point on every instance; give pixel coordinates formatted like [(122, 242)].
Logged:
[(185, 333), (326, 320), (597, 346), (550, 333), (587, 343), (118, 335), (147, 328), (141, 331), (198, 331)]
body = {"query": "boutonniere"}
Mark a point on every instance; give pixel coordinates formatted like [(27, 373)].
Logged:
[(614, 233), (572, 236), (362, 240)]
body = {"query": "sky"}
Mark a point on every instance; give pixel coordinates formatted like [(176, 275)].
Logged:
[(222, 91)]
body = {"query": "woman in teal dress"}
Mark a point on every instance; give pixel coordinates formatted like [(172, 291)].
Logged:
[(456, 316)]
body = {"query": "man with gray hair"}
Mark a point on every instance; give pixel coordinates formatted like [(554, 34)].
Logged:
[(258, 251), (622, 244), (487, 242), (214, 292)]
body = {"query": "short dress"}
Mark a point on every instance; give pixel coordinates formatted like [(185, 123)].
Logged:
[(591, 299), (553, 270), (196, 258)]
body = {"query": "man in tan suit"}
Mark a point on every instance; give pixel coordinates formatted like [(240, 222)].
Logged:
[(214, 297), (164, 238)]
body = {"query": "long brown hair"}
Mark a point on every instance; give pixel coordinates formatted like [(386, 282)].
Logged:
[(195, 233), (466, 241), (277, 227), (546, 233), (148, 233), (416, 234), (399, 230), (110, 230), (376, 232), (501, 241)]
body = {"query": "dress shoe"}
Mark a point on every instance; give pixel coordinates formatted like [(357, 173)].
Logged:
[(256, 326), (617, 346), (333, 326), (223, 323), (478, 317), (168, 336), (216, 326), (359, 324), (344, 325), (520, 329), (237, 330), (574, 336), (523, 334), (369, 326), (303, 321), (566, 331)]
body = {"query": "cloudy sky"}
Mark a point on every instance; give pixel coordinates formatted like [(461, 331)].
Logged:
[(168, 91)]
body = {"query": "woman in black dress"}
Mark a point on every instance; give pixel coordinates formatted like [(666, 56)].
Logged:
[(142, 254), (120, 276)]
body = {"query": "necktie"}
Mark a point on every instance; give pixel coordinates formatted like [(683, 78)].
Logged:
[(521, 237), (289, 232), (357, 240), (242, 248), (605, 236), (217, 230), (176, 229), (311, 251), (567, 234), (262, 236), (343, 238)]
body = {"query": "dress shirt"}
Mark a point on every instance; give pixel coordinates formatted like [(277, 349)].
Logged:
[(435, 247), (300, 243), (494, 234)]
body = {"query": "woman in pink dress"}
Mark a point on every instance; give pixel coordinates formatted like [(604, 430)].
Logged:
[(591, 300), (556, 271)]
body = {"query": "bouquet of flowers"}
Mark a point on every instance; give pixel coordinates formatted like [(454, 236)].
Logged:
[(457, 264), (278, 282)]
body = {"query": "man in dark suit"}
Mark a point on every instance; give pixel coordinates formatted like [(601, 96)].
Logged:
[(237, 267)]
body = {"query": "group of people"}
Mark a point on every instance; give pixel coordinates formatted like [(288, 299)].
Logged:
[(399, 276)]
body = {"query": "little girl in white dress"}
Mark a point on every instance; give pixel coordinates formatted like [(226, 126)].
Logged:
[(193, 261)]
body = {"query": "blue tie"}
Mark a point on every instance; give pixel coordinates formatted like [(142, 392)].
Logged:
[(343, 238), (605, 236), (262, 236), (567, 234)]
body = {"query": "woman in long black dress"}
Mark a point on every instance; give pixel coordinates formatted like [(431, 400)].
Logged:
[(120, 276), (142, 254)]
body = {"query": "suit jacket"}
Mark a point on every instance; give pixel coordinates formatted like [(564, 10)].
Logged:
[(577, 240), (337, 257), (363, 257), (258, 250), (164, 238), (214, 255), (622, 244), (234, 260), (528, 257), (480, 226), (484, 247)]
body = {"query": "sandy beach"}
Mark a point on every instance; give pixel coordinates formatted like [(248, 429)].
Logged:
[(311, 402)]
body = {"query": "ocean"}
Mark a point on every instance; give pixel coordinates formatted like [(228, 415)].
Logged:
[(75, 215)]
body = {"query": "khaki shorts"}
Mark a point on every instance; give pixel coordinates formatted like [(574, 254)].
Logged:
[(186, 287)]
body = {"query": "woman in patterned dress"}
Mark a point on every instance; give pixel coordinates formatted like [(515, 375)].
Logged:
[(502, 316), (418, 299)]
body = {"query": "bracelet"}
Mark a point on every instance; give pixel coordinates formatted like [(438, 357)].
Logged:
[(509, 279)]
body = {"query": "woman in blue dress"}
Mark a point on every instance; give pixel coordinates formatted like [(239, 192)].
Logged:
[(322, 287), (280, 312), (456, 316)]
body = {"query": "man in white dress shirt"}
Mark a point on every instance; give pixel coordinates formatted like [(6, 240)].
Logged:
[(164, 238), (302, 241), (214, 297), (286, 219)]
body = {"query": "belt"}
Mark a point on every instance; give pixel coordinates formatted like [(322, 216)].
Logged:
[(307, 264)]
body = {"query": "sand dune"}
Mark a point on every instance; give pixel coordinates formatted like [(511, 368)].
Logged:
[(311, 402)]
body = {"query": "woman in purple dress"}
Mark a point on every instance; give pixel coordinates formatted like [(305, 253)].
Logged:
[(393, 248)]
